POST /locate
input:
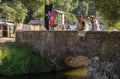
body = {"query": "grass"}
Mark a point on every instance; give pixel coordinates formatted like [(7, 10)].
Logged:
[(18, 59)]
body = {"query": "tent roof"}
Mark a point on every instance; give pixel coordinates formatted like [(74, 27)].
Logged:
[(36, 22), (61, 12), (8, 22)]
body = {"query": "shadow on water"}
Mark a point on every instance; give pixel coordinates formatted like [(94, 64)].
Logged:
[(75, 74)]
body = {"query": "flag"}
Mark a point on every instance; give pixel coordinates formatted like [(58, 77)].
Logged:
[(48, 9), (52, 18)]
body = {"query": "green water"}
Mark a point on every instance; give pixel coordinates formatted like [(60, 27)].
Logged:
[(74, 74), (77, 72)]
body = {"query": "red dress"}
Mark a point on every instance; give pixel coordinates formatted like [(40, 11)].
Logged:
[(52, 18)]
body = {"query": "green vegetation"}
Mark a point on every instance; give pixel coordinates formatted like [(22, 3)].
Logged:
[(18, 59), (117, 25), (109, 9), (25, 10), (14, 10)]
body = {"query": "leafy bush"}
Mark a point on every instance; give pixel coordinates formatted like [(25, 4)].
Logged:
[(117, 25), (18, 59)]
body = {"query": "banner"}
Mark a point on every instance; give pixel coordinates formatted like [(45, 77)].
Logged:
[(48, 9), (52, 18)]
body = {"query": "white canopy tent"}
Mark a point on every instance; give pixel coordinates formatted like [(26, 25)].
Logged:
[(10, 26), (62, 19)]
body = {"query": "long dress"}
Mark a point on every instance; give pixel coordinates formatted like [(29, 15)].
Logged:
[(96, 25)]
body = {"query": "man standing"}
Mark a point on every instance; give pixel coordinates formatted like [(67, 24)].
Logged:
[(82, 25)]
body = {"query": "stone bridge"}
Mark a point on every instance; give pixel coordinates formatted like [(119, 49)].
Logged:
[(57, 45)]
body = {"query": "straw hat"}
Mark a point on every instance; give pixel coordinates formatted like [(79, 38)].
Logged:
[(91, 17)]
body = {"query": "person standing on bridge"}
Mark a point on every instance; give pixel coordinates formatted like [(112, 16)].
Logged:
[(52, 19), (82, 25), (95, 24)]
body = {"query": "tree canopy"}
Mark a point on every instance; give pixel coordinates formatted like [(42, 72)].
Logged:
[(109, 9), (34, 9), (13, 11), (25, 10)]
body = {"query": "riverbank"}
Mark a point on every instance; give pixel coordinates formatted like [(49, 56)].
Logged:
[(19, 59)]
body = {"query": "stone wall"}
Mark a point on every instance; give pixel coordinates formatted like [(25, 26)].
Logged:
[(60, 44)]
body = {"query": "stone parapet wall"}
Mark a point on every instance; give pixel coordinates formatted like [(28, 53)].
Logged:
[(57, 45), (56, 42)]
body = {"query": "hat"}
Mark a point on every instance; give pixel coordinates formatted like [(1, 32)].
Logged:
[(91, 17)]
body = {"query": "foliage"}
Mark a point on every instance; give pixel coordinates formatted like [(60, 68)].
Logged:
[(25, 10), (13, 11), (18, 59), (117, 25), (34, 9), (82, 9), (110, 10), (7, 12), (67, 6), (71, 18), (38, 12), (21, 11)]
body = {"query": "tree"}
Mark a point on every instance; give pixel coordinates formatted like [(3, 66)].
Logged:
[(86, 8), (7, 12), (117, 25), (13, 11), (110, 10), (21, 11), (67, 6), (82, 8), (35, 9)]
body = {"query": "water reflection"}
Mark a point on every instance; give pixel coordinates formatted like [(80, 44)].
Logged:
[(68, 75), (77, 72)]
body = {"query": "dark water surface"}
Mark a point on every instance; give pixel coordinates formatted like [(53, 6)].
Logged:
[(74, 74)]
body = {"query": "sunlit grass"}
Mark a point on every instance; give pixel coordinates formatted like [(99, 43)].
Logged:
[(0, 58), (77, 72)]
